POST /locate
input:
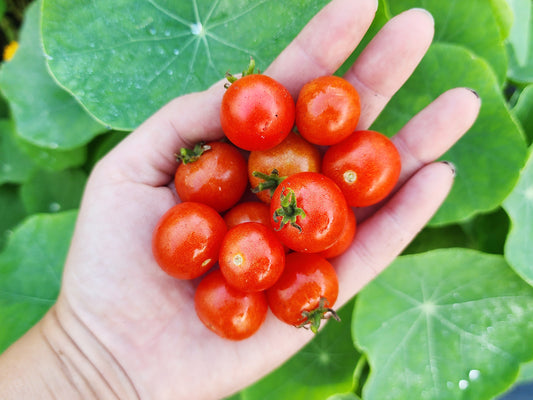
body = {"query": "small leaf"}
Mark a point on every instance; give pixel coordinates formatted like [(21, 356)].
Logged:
[(322, 368), (446, 324), (519, 207), (53, 191), (30, 272), (45, 114)]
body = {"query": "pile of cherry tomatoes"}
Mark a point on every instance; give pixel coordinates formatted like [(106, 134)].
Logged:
[(268, 247)]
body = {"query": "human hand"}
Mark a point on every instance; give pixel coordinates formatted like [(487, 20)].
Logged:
[(135, 325)]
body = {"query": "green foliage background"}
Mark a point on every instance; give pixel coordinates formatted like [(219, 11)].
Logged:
[(451, 318)]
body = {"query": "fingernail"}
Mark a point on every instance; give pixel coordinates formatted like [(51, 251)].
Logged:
[(473, 91), (451, 166)]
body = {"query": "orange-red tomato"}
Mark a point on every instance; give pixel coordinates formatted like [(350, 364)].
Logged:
[(307, 289), (251, 257), (217, 177), (366, 166), (294, 154), (187, 239), (345, 239), (257, 112), (248, 211), (327, 110), (228, 312)]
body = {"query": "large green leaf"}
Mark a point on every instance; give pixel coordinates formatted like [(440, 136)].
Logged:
[(489, 157), (322, 368), (47, 191), (520, 44), (447, 324), (15, 164), (30, 271), (124, 59), (45, 114), (523, 111), (471, 24), (519, 206)]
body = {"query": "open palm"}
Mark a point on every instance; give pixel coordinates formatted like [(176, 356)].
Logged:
[(143, 320)]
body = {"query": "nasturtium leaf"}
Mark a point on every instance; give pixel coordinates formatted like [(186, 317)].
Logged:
[(46, 191), (520, 42), (15, 164), (523, 111), (45, 114), (487, 232), (519, 206), (526, 372), (471, 24), (322, 368), (446, 324), (344, 396), (124, 59), (31, 265), (489, 157), (503, 14), (11, 211), (436, 237)]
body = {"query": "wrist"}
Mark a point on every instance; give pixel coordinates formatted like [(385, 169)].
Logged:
[(60, 358)]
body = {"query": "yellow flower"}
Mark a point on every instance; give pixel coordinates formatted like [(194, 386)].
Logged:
[(10, 50)]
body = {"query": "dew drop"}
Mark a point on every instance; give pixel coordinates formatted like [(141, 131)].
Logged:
[(54, 207), (176, 52), (463, 384), (474, 374), (197, 28), (152, 31), (170, 72)]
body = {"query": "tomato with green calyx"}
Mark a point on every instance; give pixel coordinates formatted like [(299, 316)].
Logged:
[(327, 110), (186, 241), (213, 174), (257, 112), (226, 311), (308, 212), (251, 257), (366, 166), (267, 168), (306, 291)]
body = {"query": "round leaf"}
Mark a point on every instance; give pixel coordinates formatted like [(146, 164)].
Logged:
[(134, 56), (489, 157), (519, 207), (45, 114), (30, 272), (446, 324)]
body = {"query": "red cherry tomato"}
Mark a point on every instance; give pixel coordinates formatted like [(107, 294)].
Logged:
[(293, 155), (248, 211), (345, 239), (327, 110), (216, 176), (228, 312), (308, 212), (366, 166), (187, 240), (305, 292), (251, 257), (257, 112)]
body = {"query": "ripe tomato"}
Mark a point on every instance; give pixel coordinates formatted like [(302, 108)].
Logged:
[(293, 155), (251, 257), (216, 177), (366, 166), (228, 312), (327, 110), (187, 239), (257, 112), (308, 212), (248, 211), (305, 292), (345, 239)]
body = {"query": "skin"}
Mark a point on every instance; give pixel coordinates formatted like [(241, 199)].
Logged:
[(121, 328)]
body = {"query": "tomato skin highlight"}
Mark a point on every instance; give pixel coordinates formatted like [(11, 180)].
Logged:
[(327, 110), (306, 279), (257, 112), (217, 178), (325, 212), (251, 257), (186, 241), (294, 154), (226, 311), (366, 166)]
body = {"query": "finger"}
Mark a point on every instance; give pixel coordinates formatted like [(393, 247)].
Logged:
[(320, 48), (432, 132), (324, 44), (383, 236), (388, 61)]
